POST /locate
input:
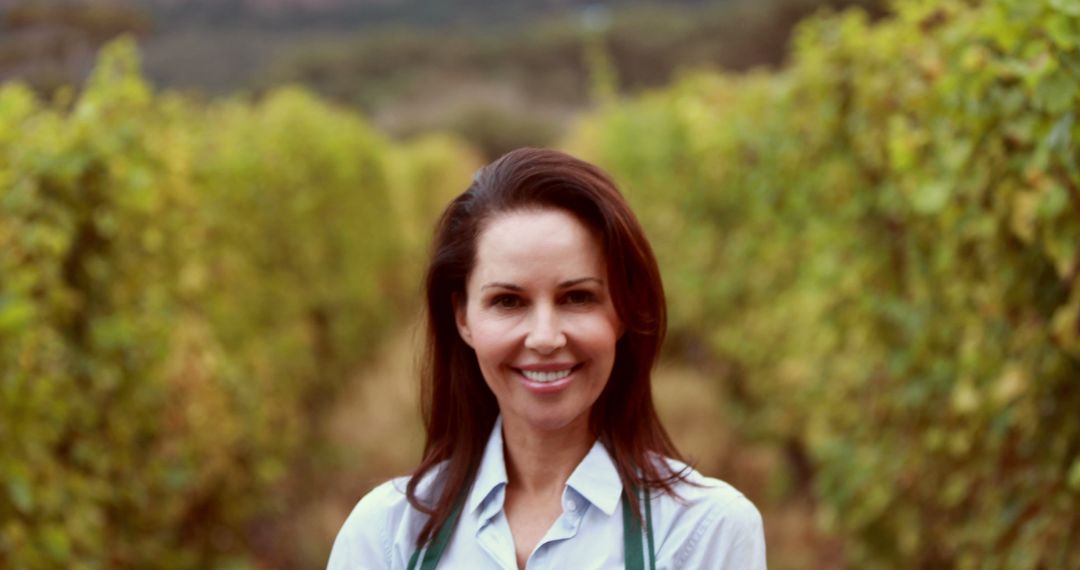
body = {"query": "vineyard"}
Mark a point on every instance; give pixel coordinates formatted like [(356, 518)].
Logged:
[(874, 253), (183, 288), (880, 247)]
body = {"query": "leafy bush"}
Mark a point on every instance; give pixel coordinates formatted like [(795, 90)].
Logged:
[(881, 243), (182, 288)]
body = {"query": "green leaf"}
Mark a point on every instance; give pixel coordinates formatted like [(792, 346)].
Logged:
[(1074, 475), (931, 198), (1070, 7), (1054, 202), (1064, 31), (1057, 92), (22, 495), (1060, 136), (14, 314), (57, 543)]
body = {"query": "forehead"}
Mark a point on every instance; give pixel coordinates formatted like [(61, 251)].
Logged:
[(524, 242)]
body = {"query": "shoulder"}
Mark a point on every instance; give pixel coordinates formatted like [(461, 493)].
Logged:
[(382, 502), (708, 519), (708, 494), (365, 540), (381, 527)]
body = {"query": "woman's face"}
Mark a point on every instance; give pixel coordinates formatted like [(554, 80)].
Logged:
[(539, 316)]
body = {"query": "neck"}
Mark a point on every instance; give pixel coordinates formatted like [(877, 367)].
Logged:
[(541, 461)]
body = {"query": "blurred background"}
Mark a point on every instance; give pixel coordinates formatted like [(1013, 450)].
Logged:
[(214, 216)]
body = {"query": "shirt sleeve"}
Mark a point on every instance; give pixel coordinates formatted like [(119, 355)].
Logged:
[(728, 535), (365, 540)]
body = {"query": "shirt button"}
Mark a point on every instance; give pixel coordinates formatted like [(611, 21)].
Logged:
[(571, 506)]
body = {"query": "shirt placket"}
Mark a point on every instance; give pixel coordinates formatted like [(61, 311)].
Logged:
[(493, 532), (565, 528)]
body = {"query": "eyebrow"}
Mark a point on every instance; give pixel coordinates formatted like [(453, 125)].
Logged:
[(563, 285)]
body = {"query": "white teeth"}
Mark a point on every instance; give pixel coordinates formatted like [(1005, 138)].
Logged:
[(546, 376)]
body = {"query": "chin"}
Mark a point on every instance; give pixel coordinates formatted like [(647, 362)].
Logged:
[(553, 420)]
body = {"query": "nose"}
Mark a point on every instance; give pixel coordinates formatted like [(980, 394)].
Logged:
[(545, 334)]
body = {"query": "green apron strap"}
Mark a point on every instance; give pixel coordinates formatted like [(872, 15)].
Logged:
[(633, 553), (412, 560), (434, 551), (649, 531)]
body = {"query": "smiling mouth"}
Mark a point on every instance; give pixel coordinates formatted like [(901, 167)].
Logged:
[(546, 376)]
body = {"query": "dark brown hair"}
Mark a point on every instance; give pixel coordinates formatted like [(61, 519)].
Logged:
[(459, 409)]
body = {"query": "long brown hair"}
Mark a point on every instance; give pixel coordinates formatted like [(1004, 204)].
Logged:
[(459, 409)]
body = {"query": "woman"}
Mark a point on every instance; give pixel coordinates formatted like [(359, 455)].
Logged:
[(545, 316)]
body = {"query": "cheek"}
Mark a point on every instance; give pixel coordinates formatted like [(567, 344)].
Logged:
[(599, 334), (491, 337)]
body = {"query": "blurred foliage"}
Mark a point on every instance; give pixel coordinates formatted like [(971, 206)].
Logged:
[(520, 83), (360, 14), (494, 132), (547, 59), (880, 244), (97, 21), (182, 288), (48, 44)]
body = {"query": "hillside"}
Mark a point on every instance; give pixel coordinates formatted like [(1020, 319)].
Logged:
[(502, 75), (353, 14)]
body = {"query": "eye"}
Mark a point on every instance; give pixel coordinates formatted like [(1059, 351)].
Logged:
[(579, 298), (505, 301)]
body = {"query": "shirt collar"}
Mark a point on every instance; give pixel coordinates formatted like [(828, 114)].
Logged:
[(492, 472), (595, 478)]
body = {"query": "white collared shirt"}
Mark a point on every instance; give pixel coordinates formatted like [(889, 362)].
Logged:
[(713, 526)]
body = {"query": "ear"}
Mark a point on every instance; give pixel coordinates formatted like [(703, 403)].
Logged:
[(460, 306)]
